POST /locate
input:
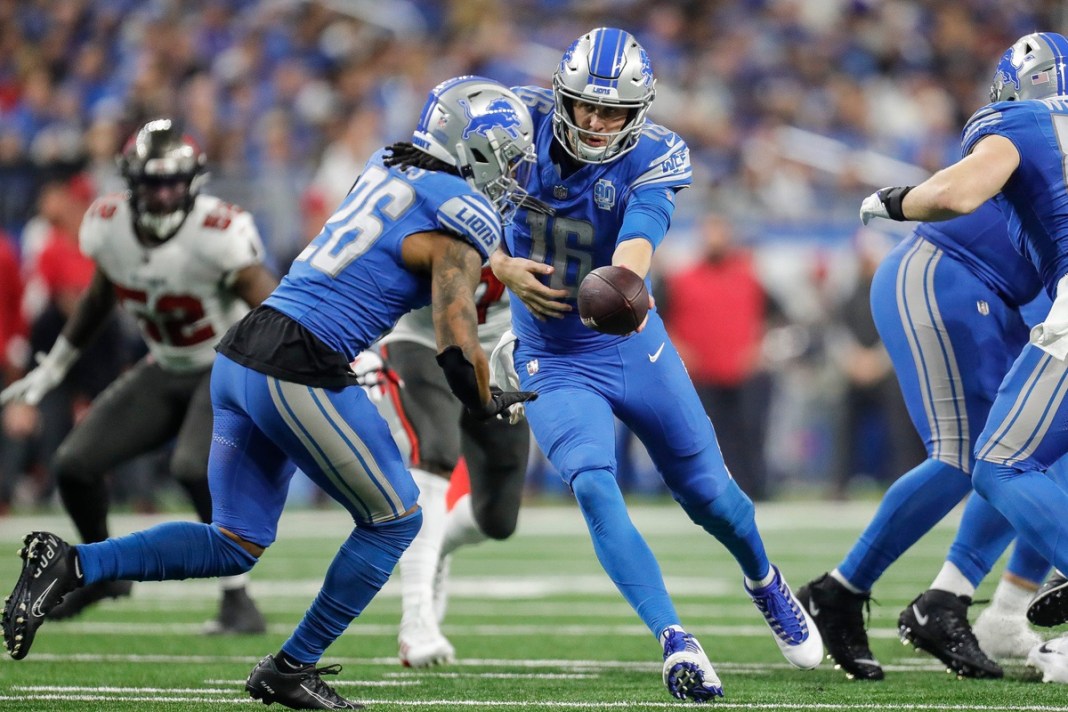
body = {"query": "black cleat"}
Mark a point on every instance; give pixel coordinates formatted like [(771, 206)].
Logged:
[(49, 571), (838, 615), (299, 690), (1049, 607), (238, 615), (79, 599), (937, 622)]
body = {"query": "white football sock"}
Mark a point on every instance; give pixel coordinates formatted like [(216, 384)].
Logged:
[(461, 529), (837, 576), (951, 579), (1011, 597), (230, 583), (419, 563)]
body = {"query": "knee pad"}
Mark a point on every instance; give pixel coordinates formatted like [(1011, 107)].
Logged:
[(494, 524), (186, 468), (69, 466)]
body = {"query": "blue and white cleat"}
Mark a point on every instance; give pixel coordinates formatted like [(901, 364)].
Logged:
[(688, 673), (795, 633)]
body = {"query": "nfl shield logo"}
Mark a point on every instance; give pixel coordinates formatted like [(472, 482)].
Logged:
[(983, 307), (560, 192), (532, 367)]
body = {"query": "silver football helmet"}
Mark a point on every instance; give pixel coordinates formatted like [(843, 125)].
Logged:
[(604, 67), (164, 170), (484, 130), (1035, 67)]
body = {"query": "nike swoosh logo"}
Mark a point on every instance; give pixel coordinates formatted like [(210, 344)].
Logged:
[(654, 356), (35, 609), (78, 568), (813, 609), (920, 618)]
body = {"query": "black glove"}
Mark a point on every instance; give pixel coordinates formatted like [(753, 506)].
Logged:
[(500, 402), (460, 375)]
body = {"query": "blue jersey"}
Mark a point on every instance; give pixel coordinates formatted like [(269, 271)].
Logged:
[(1036, 194), (350, 285), (981, 242), (597, 207)]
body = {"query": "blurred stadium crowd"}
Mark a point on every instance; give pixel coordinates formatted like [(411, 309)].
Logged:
[(793, 109)]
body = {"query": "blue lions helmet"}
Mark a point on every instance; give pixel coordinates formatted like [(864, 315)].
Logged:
[(1035, 67), (485, 131), (605, 67)]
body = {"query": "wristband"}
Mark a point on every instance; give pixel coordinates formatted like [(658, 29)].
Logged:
[(460, 375), (892, 199)]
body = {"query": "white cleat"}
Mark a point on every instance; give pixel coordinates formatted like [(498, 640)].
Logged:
[(1051, 659), (423, 645), (1005, 634)]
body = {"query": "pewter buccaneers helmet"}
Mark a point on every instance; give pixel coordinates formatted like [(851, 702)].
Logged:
[(164, 170), (1035, 67), (484, 130), (606, 67)]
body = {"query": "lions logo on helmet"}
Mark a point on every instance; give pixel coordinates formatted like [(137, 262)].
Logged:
[(485, 131), (1035, 67), (498, 114), (605, 67)]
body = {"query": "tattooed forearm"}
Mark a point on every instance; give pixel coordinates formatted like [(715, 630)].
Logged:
[(456, 274)]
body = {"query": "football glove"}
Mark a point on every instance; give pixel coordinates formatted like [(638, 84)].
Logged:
[(460, 375), (372, 374), (51, 369), (884, 203), (503, 373)]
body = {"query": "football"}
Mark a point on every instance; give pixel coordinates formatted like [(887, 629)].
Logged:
[(613, 300)]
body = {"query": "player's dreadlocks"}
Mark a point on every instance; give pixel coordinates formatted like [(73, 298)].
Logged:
[(404, 154)]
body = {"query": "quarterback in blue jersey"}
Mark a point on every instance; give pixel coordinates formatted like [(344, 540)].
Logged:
[(947, 303), (414, 229), (610, 176), (1016, 147)]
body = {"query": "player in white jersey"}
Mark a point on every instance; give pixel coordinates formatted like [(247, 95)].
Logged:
[(436, 430), (187, 266)]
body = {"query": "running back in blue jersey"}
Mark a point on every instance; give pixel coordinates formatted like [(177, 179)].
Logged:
[(1039, 131), (350, 285), (583, 234)]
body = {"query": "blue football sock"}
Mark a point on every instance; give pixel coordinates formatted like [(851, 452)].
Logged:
[(714, 501), (917, 501), (359, 570), (1027, 563), (175, 550), (981, 539), (1032, 502), (622, 551)]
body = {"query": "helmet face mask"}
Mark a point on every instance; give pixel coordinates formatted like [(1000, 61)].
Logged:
[(483, 130), (604, 68), (1035, 67), (163, 170)]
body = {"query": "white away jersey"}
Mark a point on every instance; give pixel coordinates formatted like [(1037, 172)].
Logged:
[(178, 291), (494, 317)]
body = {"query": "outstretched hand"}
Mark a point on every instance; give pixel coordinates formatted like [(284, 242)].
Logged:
[(521, 276)]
